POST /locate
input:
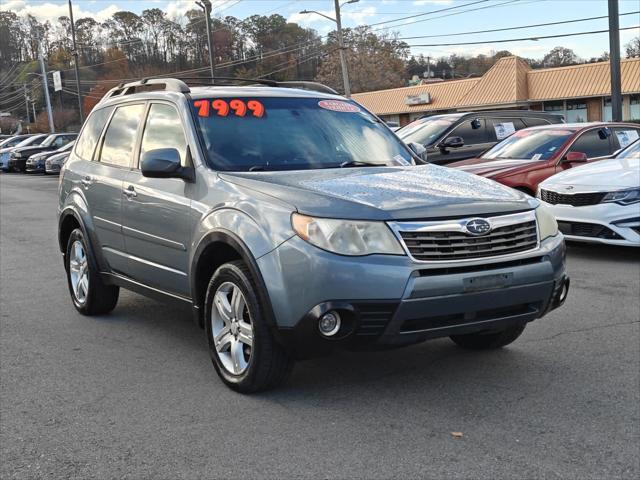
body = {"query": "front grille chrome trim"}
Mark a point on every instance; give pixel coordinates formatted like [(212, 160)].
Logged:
[(457, 226)]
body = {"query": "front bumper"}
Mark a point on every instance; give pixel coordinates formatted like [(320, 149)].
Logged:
[(17, 164), (33, 166), (606, 223), (388, 301)]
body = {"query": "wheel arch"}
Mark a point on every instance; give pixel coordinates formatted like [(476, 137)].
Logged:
[(214, 249)]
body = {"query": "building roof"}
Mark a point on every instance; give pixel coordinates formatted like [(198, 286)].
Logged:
[(444, 96), (504, 83), (509, 82), (587, 80)]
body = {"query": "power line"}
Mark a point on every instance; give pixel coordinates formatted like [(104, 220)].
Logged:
[(520, 39), (516, 28), (427, 13)]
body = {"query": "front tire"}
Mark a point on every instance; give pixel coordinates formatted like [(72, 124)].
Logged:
[(89, 294), (489, 341), (243, 351)]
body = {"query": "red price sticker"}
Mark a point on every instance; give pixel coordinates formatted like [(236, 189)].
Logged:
[(223, 108), (338, 106)]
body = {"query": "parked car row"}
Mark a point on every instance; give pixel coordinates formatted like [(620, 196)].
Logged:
[(30, 153), (598, 202)]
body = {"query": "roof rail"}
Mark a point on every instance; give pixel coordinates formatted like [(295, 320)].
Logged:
[(180, 84), (170, 84), (315, 86)]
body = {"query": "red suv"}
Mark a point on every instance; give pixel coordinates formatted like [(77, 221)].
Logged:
[(533, 154)]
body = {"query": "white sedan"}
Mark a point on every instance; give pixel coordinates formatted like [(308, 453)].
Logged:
[(598, 202)]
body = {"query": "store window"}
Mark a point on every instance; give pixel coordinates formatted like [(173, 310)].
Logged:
[(634, 107), (607, 112), (576, 111), (557, 107)]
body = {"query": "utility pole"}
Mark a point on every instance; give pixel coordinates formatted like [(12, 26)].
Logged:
[(206, 6), (614, 61), (343, 60), (45, 87), (26, 100), (33, 107), (75, 62)]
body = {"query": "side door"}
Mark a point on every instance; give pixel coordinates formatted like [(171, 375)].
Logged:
[(476, 140), (593, 143), (157, 223), (102, 181)]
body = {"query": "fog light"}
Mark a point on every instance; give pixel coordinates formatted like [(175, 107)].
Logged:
[(329, 323), (563, 293)]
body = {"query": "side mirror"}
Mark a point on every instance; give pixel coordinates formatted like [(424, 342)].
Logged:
[(604, 133), (164, 163), (452, 142), (419, 150), (576, 157), (476, 123)]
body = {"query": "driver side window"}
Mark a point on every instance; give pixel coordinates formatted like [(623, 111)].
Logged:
[(591, 144), (470, 135)]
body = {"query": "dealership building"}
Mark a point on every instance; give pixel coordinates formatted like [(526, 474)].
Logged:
[(582, 93)]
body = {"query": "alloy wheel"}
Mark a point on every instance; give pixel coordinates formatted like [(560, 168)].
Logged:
[(79, 272), (231, 328)]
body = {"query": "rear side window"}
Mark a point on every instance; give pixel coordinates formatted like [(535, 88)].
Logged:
[(591, 144), (501, 128), (533, 121), (120, 137), (164, 130), (91, 133), (470, 135), (625, 136)]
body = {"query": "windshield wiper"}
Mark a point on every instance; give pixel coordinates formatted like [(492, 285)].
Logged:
[(355, 163)]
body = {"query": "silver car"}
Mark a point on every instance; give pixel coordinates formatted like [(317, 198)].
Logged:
[(294, 222)]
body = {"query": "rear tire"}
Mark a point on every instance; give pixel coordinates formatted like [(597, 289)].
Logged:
[(243, 350), (90, 296), (489, 341)]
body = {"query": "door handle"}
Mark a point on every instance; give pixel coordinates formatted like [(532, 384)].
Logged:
[(130, 192), (86, 181)]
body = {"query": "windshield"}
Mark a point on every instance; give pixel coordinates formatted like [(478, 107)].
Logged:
[(12, 141), (425, 131), (271, 133), (35, 140), (530, 144), (66, 148), (632, 151)]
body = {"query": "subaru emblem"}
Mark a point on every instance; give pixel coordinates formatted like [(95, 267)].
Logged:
[(478, 226)]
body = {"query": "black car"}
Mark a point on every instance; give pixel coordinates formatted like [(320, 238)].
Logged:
[(19, 156), (458, 136), (36, 163)]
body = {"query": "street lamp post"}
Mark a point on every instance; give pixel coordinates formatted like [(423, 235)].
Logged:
[(75, 62), (341, 47), (206, 6)]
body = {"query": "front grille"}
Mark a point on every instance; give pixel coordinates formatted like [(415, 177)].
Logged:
[(374, 318), (592, 230), (575, 199), (455, 245)]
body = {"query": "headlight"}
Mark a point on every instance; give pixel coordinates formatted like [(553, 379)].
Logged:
[(547, 225), (623, 197), (346, 237)]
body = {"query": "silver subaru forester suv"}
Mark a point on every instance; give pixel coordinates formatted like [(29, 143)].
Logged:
[(293, 221)]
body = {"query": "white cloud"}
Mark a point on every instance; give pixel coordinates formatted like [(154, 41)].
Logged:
[(178, 8), (356, 18), (52, 11)]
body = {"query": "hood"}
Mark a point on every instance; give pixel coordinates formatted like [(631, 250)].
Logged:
[(27, 151), (385, 193), (603, 175), (495, 168)]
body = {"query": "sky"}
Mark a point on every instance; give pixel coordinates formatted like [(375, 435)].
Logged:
[(492, 14)]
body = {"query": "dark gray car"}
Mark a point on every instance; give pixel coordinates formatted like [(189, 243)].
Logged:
[(294, 222), (459, 136)]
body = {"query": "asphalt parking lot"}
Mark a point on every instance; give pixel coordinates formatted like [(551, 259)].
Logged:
[(133, 394)]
